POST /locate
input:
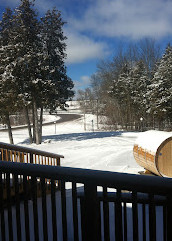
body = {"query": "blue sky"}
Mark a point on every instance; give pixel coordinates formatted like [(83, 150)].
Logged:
[(96, 28)]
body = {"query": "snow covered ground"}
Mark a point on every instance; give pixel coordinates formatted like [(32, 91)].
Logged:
[(111, 151)]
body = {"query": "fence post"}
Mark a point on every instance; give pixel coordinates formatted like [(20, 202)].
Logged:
[(91, 212)]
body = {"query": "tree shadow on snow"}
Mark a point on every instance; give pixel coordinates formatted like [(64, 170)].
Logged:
[(81, 136), (78, 136)]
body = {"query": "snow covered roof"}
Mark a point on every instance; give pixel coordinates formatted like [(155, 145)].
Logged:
[(151, 140)]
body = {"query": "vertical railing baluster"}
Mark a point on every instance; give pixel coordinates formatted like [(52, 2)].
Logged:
[(169, 217), (135, 216), (53, 207), (63, 203), (2, 154), (125, 221), (38, 156), (92, 226), (106, 215), (118, 217), (75, 211), (15, 156), (44, 209), (9, 206), (17, 204), (6, 155), (35, 208), (99, 220), (144, 221), (31, 158), (83, 215), (164, 222), (58, 161), (152, 218), (34, 159), (26, 210), (27, 159), (23, 157), (2, 207), (19, 158), (11, 156)]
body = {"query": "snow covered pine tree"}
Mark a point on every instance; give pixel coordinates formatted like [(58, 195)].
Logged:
[(160, 90), (38, 68)]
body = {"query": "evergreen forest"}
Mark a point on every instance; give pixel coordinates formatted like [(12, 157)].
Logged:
[(134, 90)]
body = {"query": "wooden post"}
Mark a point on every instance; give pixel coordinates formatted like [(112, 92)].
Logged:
[(92, 227)]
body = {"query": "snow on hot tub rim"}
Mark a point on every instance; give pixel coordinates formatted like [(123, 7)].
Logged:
[(152, 139)]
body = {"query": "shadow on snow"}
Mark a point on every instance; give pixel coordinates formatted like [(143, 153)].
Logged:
[(78, 136)]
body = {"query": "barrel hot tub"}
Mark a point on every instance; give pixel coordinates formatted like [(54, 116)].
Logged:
[(153, 151)]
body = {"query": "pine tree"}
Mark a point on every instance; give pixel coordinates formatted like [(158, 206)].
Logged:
[(130, 92), (161, 88), (138, 82), (37, 66), (59, 87), (8, 96), (121, 93), (22, 45), (26, 41)]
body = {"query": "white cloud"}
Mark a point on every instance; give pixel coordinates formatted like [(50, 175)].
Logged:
[(43, 5), (83, 83), (112, 18), (85, 79), (81, 48), (129, 18), (133, 19)]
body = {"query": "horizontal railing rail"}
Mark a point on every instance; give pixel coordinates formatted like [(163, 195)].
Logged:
[(142, 198), (28, 150), (16, 153), (124, 181), (128, 207)]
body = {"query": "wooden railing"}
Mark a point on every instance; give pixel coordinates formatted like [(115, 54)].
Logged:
[(16, 153), (90, 206)]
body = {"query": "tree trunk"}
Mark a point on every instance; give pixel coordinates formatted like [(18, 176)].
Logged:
[(40, 125), (28, 124), (33, 118), (36, 123), (7, 117)]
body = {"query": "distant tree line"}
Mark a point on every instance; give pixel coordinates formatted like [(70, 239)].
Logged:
[(32, 70), (135, 88)]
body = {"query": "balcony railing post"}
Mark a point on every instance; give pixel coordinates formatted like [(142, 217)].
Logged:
[(169, 218), (92, 218)]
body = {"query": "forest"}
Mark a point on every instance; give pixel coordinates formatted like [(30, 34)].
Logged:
[(134, 90)]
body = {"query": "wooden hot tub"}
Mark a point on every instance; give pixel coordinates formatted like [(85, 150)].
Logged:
[(153, 151)]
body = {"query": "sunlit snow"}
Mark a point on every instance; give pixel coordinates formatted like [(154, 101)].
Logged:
[(90, 148)]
